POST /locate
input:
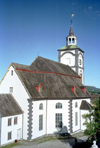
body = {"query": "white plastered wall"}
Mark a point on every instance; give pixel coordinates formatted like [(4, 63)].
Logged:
[(51, 111), (13, 129), (19, 94), (36, 112)]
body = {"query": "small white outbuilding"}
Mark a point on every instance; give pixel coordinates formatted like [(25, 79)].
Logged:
[(10, 119)]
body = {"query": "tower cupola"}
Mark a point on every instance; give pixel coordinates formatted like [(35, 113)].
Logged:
[(71, 39)]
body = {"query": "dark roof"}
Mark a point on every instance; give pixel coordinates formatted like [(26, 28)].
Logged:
[(55, 78), (70, 47), (85, 105), (8, 106)]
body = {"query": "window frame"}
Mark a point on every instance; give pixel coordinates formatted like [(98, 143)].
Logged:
[(15, 120), (9, 121), (73, 40), (41, 106), (58, 120), (9, 135), (10, 89), (40, 122), (12, 72), (76, 104), (58, 105), (40, 89), (76, 118)]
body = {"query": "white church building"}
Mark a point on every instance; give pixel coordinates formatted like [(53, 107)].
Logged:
[(51, 95)]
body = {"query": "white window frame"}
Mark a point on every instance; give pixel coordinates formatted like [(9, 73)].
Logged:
[(10, 135), (58, 120), (40, 122), (15, 123), (58, 105), (41, 106), (12, 72), (76, 118), (10, 121), (11, 89)]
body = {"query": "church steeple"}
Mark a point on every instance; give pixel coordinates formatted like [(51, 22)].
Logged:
[(71, 38), (71, 33), (71, 54)]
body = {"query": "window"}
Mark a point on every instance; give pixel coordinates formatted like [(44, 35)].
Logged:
[(40, 89), (80, 62), (9, 135), (59, 105), (41, 106), (40, 122), (11, 72), (9, 121), (69, 40), (76, 118), (11, 89), (15, 120), (73, 40), (58, 118), (76, 105)]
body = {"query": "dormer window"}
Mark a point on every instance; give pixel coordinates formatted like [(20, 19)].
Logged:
[(39, 88), (73, 88), (83, 88)]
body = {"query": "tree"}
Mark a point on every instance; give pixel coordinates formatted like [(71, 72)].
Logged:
[(92, 119)]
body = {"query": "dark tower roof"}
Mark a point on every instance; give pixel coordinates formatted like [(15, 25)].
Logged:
[(71, 33)]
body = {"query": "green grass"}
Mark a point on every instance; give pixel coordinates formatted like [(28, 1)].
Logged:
[(10, 145), (44, 139)]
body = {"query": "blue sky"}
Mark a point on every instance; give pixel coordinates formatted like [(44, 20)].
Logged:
[(31, 28)]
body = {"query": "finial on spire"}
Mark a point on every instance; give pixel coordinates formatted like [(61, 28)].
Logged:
[(71, 17)]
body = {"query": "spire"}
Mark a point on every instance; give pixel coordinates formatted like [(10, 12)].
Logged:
[(71, 33), (71, 38)]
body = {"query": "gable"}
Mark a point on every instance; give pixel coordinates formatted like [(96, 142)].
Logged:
[(85, 105)]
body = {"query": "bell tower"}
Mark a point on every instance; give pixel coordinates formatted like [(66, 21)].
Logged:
[(71, 54)]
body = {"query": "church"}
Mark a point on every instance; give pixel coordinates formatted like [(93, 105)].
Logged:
[(49, 97)]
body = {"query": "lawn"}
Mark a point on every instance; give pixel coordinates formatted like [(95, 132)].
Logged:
[(10, 145)]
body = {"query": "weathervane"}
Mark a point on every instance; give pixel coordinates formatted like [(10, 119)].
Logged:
[(71, 17)]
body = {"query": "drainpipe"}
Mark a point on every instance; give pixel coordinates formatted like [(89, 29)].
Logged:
[(80, 120), (46, 114), (22, 124)]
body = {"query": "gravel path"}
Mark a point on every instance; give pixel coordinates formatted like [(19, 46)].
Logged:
[(62, 143)]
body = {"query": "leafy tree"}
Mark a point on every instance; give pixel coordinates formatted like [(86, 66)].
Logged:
[(92, 119)]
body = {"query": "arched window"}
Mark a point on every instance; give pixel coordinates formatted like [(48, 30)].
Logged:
[(73, 40), (58, 105), (69, 40), (76, 105), (41, 106)]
